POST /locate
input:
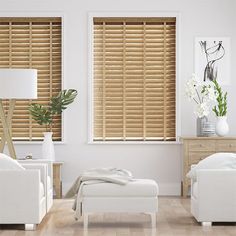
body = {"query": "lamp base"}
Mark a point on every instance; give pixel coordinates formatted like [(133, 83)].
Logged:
[(6, 124)]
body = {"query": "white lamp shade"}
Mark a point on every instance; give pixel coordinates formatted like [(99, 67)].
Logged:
[(18, 83)]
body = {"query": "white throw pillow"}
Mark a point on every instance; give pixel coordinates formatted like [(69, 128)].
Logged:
[(215, 161), (7, 163)]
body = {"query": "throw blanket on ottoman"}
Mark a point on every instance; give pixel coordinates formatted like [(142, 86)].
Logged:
[(96, 176)]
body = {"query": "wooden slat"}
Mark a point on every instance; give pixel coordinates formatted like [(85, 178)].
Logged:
[(19, 20), (138, 20)]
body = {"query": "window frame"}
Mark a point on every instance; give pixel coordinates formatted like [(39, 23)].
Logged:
[(91, 15), (46, 14)]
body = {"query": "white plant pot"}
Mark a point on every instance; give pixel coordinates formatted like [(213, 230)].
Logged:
[(48, 147), (222, 127)]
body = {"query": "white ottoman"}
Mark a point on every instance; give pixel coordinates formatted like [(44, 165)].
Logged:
[(140, 195)]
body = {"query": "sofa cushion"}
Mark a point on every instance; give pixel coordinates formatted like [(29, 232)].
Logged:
[(195, 190), (214, 161), (136, 188), (7, 163), (41, 191), (49, 183)]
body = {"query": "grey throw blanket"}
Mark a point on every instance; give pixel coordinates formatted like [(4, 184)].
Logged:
[(95, 176)]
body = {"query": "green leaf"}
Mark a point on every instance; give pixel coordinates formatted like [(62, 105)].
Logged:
[(44, 115), (62, 100), (221, 109), (40, 114)]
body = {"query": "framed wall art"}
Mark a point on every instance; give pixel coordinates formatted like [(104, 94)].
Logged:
[(212, 58)]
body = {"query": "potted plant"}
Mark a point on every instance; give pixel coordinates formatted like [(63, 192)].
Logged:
[(203, 94), (44, 115), (220, 110)]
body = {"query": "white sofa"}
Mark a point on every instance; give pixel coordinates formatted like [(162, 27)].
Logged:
[(49, 178), (213, 196), (23, 196)]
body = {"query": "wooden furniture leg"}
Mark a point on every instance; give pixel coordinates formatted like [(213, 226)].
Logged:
[(57, 184), (6, 123)]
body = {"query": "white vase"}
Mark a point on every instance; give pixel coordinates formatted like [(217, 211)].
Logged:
[(222, 127), (48, 147)]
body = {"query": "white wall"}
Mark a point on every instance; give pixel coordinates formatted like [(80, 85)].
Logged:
[(160, 162)]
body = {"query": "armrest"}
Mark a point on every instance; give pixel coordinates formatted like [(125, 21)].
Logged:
[(49, 164), (215, 187), (19, 190), (192, 180), (41, 167), (192, 166)]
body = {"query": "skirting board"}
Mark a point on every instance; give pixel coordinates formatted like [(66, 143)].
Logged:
[(165, 189), (169, 189)]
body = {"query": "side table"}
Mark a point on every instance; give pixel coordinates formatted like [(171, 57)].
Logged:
[(57, 183)]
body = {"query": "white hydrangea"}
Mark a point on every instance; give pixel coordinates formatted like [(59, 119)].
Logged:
[(195, 80), (202, 93), (202, 110), (190, 92), (191, 86)]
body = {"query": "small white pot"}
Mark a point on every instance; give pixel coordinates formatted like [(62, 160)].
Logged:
[(222, 127), (48, 147)]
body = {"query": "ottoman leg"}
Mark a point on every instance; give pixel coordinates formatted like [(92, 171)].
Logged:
[(206, 223), (153, 219), (29, 227), (86, 218)]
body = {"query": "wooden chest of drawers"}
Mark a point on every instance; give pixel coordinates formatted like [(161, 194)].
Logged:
[(196, 149)]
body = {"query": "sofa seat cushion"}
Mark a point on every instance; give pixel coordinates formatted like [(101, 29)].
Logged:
[(195, 190), (41, 190), (136, 188), (49, 183)]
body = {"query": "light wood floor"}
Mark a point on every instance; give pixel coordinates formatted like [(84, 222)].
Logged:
[(173, 218)]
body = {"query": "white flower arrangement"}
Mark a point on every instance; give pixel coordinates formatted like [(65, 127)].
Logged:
[(202, 93)]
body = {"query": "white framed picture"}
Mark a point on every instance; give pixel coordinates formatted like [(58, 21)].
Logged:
[(212, 58)]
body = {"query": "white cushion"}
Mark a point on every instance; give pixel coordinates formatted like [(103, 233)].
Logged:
[(214, 161), (136, 188), (7, 163), (49, 186), (41, 190), (194, 190)]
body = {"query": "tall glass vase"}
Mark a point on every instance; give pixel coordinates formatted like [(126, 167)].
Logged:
[(200, 124), (48, 147)]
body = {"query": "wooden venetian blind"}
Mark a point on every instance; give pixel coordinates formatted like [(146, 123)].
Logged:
[(33, 43), (134, 79)]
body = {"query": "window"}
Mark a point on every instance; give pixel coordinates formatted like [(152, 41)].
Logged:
[(33, 43), (134, 62)]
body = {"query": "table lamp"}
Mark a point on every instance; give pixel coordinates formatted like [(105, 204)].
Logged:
[(14, 84)]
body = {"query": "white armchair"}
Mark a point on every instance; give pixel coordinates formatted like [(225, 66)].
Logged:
[(49, 178), (22, 196), (213, 196)]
